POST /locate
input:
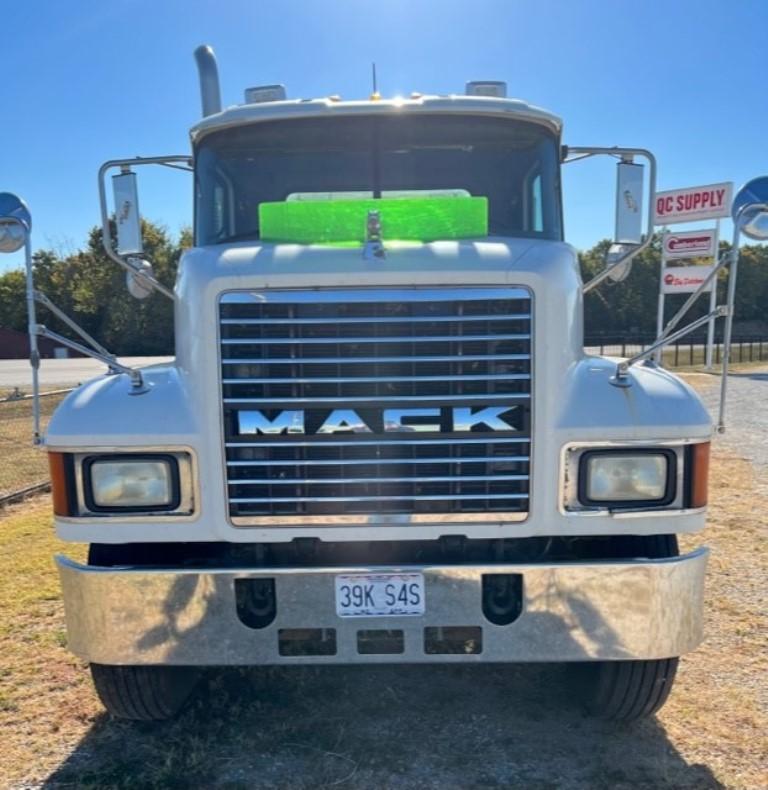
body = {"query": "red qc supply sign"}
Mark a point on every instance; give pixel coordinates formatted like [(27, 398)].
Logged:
[(693, 204), (684, 279), (690, 244)]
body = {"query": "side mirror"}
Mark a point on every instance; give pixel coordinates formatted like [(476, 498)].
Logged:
[(15, 222), (138, 287), (127, 216), (750, 209), (628, 234), (618, 261), (629, 203), (129, 242), (130, 250), (629, 238)]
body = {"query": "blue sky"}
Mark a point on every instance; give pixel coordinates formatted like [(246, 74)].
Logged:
[(89, 81)]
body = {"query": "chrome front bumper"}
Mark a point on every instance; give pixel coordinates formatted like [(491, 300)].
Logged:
[(581, 611)]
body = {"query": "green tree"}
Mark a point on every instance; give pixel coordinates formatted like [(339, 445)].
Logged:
[(13, 306), (629, 308), (90, 288)]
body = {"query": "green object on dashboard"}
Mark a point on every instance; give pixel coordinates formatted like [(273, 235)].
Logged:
[(402, 219)]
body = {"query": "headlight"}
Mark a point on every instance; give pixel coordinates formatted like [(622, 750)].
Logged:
[(131, 483), (626, 478)]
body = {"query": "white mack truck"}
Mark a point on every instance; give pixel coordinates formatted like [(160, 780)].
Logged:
[(381, 440)]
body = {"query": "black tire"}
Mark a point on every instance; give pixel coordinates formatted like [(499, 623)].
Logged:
[(630, 690), (140, 693), (143, 693)]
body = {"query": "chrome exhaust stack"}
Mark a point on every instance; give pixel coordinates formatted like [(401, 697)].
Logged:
[(208, 71)]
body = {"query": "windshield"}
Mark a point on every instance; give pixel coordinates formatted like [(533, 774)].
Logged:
[(511, 163)]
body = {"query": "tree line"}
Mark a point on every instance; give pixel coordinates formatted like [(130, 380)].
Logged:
[(628, 309), (90, 287)]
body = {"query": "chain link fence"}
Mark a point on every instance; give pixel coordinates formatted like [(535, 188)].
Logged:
[(23, 467), (685, 353)]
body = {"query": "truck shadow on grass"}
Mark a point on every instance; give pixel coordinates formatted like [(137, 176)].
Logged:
[(433, 726)]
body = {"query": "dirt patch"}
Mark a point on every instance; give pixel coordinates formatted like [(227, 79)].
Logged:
[(384, 727)]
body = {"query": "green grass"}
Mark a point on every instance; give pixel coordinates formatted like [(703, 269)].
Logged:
[(21, 463)]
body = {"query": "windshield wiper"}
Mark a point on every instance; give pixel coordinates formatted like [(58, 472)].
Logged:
[(248, 235)]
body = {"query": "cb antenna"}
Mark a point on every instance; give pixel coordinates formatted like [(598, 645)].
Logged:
[(375, 96)]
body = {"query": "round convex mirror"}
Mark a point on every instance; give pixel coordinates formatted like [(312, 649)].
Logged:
[(750, 209), (137, 287), (15, 222), (618, 272)]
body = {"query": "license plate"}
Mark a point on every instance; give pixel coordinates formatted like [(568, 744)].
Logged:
[(379, 594)]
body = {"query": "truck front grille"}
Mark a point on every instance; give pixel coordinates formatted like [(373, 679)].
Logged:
[(351, 356)]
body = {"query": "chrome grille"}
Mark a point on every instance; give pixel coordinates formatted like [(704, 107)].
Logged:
[(314, 352)]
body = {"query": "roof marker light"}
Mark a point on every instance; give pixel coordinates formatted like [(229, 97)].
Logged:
[(495, 89), (264, 93)]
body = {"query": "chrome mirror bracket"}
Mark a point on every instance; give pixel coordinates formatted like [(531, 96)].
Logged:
[(617, 268), (139, 274), (138, 385), (621, 377)]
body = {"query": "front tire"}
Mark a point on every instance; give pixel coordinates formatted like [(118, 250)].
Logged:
[(630, 690), (143, 693), (139, 693)]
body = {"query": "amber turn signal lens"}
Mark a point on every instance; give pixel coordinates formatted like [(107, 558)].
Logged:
[(699, 474), (59, 483)]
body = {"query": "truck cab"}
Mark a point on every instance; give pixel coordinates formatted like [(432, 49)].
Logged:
[(381, 439)]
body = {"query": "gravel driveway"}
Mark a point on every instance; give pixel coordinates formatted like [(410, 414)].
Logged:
[(746, 419)]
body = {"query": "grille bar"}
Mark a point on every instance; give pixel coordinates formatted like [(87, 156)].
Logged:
[(376, 442), (419, 319), (380, 399), (303, 341), (347, 480), (387, 461), (373, 296), (286, 351), (383, 379), (373, 360), (378, 498)]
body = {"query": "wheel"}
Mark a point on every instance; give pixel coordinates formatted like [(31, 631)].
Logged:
[(629, 690), (143, 693)]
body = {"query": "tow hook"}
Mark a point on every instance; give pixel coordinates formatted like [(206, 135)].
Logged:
[(502, 597)]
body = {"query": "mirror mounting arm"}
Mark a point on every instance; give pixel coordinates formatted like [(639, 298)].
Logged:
[(138, 387), (124, 165), (42, 299), (621, 377), (625, 155), (721, 263)]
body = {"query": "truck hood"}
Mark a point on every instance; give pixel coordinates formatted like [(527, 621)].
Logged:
[(465, 262)]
